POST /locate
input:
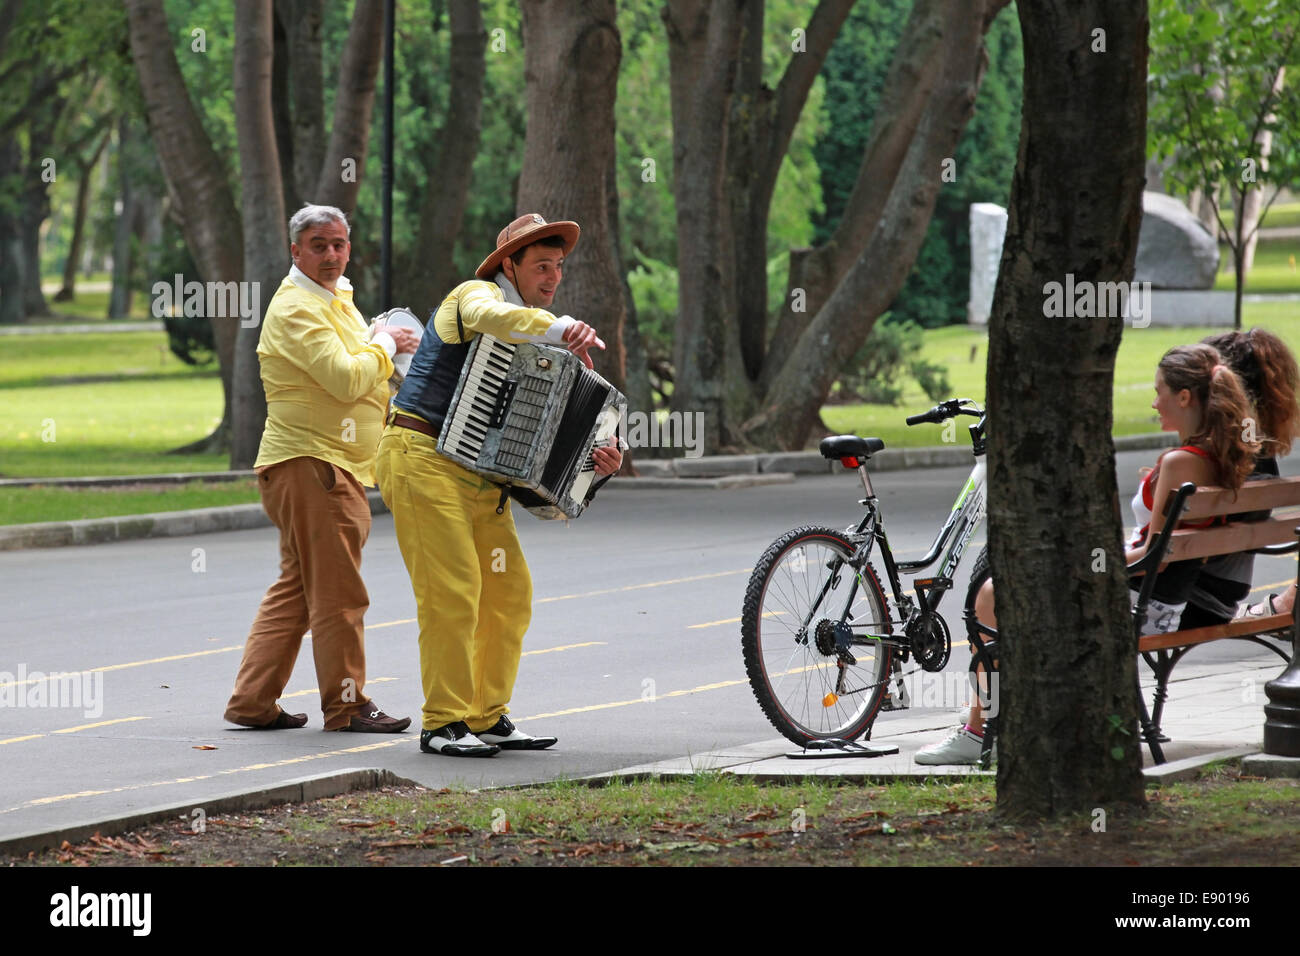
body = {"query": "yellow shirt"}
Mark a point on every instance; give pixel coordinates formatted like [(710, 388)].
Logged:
[(326, 385)]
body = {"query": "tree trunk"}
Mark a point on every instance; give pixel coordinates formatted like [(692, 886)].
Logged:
[(196, 180), (1068, 654), (571, 56), (11, 252), (1252, 203), (760, 126), (36, 195), (339, 179), (899, 216), (68, 292), (302, 21), (266, 245), (281, 66), (119, 295), (637, 378), (429, 272), (906, 97), (703, 45)]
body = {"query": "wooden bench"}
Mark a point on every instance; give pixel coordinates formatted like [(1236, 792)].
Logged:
[(1276, 534)]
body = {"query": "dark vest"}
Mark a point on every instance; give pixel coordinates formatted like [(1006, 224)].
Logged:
[(431, 381)]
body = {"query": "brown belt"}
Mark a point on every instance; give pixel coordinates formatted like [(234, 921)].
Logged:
[(415, 424)]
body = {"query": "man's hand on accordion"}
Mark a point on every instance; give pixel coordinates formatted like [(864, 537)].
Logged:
[(606, 459), (579, 337)]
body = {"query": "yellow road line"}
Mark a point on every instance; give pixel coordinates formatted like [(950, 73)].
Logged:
[(316, 690), (639, 587), (565, 647), (405, 620), (729, 620), (102, 723), (118, 667), (14, 740)]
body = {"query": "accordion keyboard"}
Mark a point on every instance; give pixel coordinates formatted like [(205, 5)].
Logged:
[(467, 428)]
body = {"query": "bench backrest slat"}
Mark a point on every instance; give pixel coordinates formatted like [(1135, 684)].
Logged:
[(1230, 539), (1254, 496)]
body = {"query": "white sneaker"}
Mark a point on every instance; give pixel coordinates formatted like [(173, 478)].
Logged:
[(959, 747)]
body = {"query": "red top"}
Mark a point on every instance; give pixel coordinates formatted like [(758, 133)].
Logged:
[(1148, 495)]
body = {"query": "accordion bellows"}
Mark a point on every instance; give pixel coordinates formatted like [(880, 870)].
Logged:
[(528, 415)]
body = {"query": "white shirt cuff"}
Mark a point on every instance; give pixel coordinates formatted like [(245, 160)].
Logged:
[(385, 342), (555, 334)]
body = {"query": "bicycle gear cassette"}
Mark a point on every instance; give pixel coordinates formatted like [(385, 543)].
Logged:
[(931, 642), (833, 638)]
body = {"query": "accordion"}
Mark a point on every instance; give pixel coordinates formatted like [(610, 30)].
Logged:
[(527, 415)]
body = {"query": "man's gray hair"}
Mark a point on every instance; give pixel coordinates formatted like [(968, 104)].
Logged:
[(310, 215)]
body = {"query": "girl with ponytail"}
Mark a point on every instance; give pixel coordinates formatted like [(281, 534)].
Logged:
[(1200, 397), (1269, 373)]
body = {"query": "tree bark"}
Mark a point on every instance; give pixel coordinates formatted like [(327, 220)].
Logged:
[(1251, 204), (266, 246), (281, 113), (760, 126), (119, 295), (571, 55), (196, 179), (905, 99), (429, 272), (703, 46), (68, 291), (1068, 653), (899, 216), (337, 184), (11, 252), (307, 90)]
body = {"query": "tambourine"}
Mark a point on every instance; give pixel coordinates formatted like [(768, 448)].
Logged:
[(399, 318)]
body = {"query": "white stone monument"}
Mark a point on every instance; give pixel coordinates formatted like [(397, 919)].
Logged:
[(988, 227)]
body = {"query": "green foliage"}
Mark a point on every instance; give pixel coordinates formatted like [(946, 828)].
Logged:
[(891, 349), (1212, 66), (937, 290)]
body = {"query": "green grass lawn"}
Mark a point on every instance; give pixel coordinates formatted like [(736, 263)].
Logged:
[(91, 301), (1280, 215), (28, 505), (1276, 268), (965, 351), (56, 420)]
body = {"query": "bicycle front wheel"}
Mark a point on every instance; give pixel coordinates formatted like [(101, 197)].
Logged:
[(810, 632)]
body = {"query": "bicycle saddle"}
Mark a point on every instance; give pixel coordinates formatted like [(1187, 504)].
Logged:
[(849, 446)]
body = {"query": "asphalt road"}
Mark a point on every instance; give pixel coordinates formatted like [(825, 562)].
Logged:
[(633, 654)]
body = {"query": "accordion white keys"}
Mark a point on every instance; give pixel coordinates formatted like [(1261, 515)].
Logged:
[(528, 415)]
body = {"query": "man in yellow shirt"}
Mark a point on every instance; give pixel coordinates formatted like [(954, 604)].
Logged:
[(326, 383), (454, 528)]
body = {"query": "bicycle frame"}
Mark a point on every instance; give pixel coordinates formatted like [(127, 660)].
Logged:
[(963, 521)]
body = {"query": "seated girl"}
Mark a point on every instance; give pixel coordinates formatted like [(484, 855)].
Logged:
[(1202, 399)]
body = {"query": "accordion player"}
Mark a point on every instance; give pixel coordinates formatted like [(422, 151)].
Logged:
[(528, 416)]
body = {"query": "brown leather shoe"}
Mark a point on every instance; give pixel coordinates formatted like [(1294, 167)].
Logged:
[(371, 720), (284, 721)]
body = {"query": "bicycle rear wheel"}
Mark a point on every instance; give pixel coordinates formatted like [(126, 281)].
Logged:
[(813, 682)]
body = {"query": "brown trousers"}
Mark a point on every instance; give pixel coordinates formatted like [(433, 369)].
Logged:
[(324, 519)]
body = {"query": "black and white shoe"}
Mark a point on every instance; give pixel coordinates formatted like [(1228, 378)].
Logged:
[(509, 737), (455, 740)]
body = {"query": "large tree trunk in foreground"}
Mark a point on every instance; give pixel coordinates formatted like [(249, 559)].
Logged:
[(571, 57), (196, 179), (266, 246), (1068, 735)]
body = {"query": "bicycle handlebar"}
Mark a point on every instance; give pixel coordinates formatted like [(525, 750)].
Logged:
[(944, 411)]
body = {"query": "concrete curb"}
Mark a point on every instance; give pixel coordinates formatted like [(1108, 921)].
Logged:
[(298, 790), (1270, 765), (713, 472), (162, 524)]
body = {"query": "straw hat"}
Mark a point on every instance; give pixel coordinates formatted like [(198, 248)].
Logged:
[(522, 232)]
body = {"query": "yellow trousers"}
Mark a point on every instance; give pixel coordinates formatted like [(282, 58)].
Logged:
[(472, 587)]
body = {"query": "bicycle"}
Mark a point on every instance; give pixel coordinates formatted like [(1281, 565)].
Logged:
[(819, 659)]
